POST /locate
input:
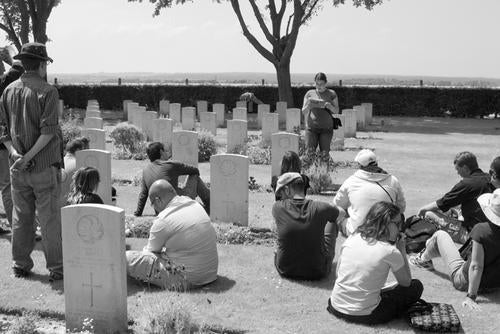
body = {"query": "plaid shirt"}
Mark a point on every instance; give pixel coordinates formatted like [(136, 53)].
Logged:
[(28, 109)]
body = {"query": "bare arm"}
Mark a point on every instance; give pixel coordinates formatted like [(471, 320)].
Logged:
[(403, 275), (475, 274)]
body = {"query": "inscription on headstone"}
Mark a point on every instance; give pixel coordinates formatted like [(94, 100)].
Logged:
[(281, 143)]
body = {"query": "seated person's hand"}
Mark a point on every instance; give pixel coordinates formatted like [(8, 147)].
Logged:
[(421, 212), (471, 304)]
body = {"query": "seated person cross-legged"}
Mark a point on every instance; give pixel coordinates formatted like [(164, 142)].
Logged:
[(307, 231), (162, 169), (182, 251), (481, 267), (366, 257)]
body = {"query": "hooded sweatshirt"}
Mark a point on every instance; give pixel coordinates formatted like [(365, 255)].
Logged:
[(360, 191)]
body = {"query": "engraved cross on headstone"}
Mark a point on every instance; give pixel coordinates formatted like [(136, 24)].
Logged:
[(91, 286)]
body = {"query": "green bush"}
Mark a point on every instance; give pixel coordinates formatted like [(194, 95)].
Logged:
[(129, 142), (70, 129), (259, 155), (207, 146), (171, 317)]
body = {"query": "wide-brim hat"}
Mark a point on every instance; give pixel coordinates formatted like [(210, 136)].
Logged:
[(285, 179), (33, 50), (490, 204)]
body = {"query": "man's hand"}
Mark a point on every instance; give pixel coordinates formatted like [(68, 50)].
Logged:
[(471, 304), (422, 211), (19, 164), (14, 155)]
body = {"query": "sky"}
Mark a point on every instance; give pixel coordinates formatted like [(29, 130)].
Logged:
[(456, 38)]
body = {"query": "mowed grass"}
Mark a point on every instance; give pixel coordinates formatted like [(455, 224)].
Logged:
[(249, 295)]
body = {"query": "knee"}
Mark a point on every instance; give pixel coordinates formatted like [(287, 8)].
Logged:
[(440, 234), (417, 286)]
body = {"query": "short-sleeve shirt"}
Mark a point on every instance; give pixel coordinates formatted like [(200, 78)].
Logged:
[(362, 273), (320, 118), (300, 223)]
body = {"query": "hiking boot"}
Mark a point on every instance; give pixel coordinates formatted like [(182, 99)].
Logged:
[(20, 273), (417, 261), (53, 276)]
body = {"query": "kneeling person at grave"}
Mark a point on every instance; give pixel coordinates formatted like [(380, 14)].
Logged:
[(182, 250), (161, 168), (307, 231)]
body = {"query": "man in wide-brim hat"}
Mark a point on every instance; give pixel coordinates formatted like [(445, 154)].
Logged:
[(30, 130)]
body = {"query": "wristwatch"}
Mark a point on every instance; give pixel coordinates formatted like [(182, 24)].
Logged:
[(471, 296)]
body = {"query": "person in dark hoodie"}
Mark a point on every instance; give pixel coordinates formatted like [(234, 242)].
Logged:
[(367, 186), (307, 231), (12, 75)]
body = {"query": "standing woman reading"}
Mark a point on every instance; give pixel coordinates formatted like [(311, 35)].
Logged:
[(319, 106)]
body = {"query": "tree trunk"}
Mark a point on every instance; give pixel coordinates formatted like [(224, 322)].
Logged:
[(40, 31), (284, 83), (25, 22)]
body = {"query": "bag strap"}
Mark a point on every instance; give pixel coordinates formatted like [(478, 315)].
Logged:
[(392, 201)]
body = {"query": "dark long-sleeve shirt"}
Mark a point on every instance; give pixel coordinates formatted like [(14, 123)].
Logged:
[(162, 170)]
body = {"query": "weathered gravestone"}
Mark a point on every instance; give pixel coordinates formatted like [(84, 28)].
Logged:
[(201, 106), (269, 126), (95, 277), (293, 119), (368, 112), (96, 137), (60, 107), (147, 123), (131, 112), (240, 113), (237, 133), (282, 142), (93, 113), (241, 104), (261, 110), (219, 110), (188, 118), (164, 108), (360, 117), (349, 123), (281, 111), (163, 129), (229, 188), (338, 135), (139, 117), (125, 109), (92, 123), (175, 113), (100, 160), (208, 122), (92, 103), (185, 147)]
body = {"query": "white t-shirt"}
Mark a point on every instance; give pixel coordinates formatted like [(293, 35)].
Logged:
[(361, 274)]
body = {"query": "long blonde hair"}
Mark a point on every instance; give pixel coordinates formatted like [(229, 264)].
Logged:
[(85, 181)]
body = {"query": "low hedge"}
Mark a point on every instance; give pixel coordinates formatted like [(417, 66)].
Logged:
[(387, 101)]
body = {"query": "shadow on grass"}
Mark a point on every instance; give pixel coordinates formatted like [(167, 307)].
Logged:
[(324, 284)]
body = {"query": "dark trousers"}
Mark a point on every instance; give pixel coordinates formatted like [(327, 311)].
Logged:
[(321, 137), (393, 303)]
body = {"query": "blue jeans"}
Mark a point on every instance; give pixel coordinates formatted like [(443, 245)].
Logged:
[(36, 194), (5, 184)]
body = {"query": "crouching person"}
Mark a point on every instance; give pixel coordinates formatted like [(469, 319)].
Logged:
[(307, 231), (181, 252), (366, 257)]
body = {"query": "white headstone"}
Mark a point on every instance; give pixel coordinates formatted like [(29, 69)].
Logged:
[(237, 134), (164, 108), (281, 143), (163, 129), (92, 123), (229, 188), (281, 110), (368, 112), (93, 103), (360, 117), (93, 113), (96, 137), (95, 276), (350, 123), (208, 122), (240, 113), (125, 109), (219, 110), (241, 104), (175, 112), (293, 119), (60, 107), (185, 147), (261, 110), (100, 160), (138, 118), (131, 112), (338, 135), (270, 125), (188, 118), (201, 106), (147, 123)]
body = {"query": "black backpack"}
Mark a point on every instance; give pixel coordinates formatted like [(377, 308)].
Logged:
[(417, 231)]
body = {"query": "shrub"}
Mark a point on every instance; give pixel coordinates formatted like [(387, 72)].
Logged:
[(206, 146), (129, 142), (259, 155), (319, 175), (26, 324), (240, 149), (70, 129)]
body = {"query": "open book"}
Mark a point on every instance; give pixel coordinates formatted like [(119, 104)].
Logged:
[(317, 103)]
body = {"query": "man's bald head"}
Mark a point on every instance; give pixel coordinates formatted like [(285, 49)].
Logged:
[(160, 194)]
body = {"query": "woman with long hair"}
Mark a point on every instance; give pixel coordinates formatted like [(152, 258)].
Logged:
[(290, 164), (85, 183)]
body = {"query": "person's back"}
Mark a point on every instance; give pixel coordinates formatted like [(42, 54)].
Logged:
[(167, 170)]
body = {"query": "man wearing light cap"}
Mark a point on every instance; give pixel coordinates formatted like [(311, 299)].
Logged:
[(367, 186), (307, 231)]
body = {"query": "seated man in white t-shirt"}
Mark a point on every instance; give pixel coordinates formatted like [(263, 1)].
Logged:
[(181, 251)]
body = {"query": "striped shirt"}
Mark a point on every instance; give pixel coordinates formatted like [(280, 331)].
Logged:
[(28, 109)]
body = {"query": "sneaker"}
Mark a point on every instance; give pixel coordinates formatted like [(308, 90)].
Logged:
[(38, 235), (417, 261), (53, 276), (20, 273)]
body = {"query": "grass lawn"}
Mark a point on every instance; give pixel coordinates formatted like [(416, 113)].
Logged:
[(249, 295)]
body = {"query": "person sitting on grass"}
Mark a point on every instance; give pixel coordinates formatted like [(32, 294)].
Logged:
[(474, 183), (182, 248), (69, 168), (367, 186), (85, 183), (306, 229), (495, 174), (290, 164), (366, 257), (481, 267), (161, 168)]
